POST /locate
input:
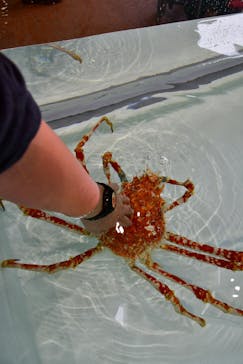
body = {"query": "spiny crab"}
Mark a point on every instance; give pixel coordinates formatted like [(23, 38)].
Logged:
[(148, 231)]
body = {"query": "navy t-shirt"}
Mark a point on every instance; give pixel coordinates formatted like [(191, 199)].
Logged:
[(19, 114)]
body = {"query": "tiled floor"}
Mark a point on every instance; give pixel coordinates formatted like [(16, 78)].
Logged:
[(22, 24)]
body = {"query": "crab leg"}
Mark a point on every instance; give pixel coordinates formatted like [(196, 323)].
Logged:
[(107, 159), (72, 54), (231, 255), (222, 263), (38, 214), (201, 293), (52, 268), (79, 148), (168, 294), (2, 205), (187, 184)]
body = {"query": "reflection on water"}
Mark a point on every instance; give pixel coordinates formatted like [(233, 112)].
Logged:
[(102, 312), (108, 60), (222, 35)]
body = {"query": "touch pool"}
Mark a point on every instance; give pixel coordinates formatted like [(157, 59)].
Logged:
[(176, 108)]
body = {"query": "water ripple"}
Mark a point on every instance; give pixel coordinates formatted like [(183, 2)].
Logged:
[(102, 311)]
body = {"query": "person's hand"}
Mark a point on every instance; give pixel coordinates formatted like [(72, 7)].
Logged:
[(121, 214)]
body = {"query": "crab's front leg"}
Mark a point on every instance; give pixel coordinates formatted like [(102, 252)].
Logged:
[(52, 268), (79, 148), (187, 184), (108, 160)]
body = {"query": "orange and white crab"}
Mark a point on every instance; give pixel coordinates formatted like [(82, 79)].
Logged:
[(148, 232)]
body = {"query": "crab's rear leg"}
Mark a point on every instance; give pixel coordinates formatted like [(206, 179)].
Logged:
[(232, 259), (187, 184), (52, 268), (201, 293), (168, 294), (79, 148), (107, 160), (219, 262)]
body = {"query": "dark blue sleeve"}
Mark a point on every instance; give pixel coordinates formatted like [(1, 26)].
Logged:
[(19, 114)]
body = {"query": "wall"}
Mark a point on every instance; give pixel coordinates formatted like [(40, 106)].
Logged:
[(23, 24)]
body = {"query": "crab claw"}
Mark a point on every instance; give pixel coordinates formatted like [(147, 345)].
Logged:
[(9, 263)]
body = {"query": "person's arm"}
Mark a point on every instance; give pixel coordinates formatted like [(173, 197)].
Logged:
[(48, 176)]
